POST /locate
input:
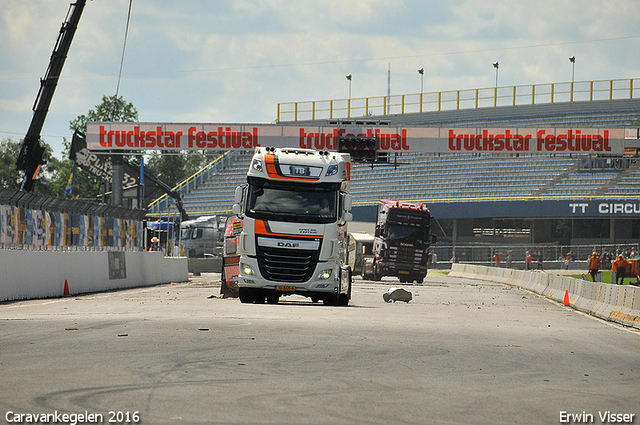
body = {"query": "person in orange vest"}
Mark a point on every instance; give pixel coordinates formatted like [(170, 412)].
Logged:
[(528, 260), (619, 267), (594, 265), (496, 258)]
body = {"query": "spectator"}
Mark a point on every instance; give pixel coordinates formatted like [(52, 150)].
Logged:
[(454, 258), (496, 258), (528, 261), (594, 265), (620, 267), (540, 266), (509, 259), (604, 259)]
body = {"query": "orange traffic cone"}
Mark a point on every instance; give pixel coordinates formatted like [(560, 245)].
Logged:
[(66, 288), (566, 297)]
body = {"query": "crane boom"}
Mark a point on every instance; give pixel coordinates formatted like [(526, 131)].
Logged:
[(31, 153)]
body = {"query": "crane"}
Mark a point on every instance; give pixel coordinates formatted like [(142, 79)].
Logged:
[(30, 158)]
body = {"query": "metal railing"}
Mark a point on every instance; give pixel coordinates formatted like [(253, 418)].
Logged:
[(551, 253), (190, 183), (627, 88)]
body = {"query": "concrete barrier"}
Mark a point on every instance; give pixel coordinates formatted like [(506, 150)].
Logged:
[(42, 274), (617, 303)]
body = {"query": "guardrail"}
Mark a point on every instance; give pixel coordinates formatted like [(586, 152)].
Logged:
[(628, 88), (616, 303)]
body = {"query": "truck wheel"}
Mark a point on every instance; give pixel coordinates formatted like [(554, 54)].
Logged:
[(246, 295), (376, 276), (250, 295)]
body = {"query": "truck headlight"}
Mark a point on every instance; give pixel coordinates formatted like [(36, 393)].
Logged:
[(331, 170), (257, 165), (247, 269), (325, 274)]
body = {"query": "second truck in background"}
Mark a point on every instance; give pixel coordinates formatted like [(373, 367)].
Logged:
[(401, 242)]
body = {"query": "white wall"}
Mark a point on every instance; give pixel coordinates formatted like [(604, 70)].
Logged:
[(42, 274)]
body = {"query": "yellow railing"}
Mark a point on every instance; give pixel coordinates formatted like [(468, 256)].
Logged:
[(628, 88), (513, 198), (187, 185)]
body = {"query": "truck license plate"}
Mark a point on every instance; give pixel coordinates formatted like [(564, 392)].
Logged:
[(285, 288)]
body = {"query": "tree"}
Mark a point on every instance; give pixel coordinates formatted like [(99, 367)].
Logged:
[(172, 168), (86, 184), (112, 108), (11, 178)]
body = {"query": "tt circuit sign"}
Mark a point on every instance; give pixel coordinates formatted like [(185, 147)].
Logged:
[(604, 208), (186, 136)]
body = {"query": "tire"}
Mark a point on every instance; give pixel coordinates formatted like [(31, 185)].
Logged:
[(272, 298), (376, 276), (250, 295), (246, 295)]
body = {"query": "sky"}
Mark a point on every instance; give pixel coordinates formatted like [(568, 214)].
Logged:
[(217, 61)]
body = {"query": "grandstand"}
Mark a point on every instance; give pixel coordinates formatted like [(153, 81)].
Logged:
[(445, 180)]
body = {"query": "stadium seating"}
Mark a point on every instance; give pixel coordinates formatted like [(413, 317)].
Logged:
[(470, 176)]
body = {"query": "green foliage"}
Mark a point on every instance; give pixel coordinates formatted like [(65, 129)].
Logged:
[(171, 168), (111, 109), (10, 177)]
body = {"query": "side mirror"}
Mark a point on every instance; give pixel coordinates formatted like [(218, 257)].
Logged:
[(347, 216), (237, 197), (236, 209), (347, 202)]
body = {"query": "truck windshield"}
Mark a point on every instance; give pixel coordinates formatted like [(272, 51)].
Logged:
[(185, 233), (317, 204), (408, 234)]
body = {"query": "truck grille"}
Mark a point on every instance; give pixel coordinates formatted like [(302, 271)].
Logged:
[(287, 265)]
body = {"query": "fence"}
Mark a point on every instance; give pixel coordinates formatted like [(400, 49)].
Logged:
[(35, 222), (460, 99), (551, 253)]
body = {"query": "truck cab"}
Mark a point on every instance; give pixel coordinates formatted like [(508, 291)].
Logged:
[(401, 243), (294, 210), (203, 237)]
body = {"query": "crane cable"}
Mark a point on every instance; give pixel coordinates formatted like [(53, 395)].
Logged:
[(124, 45)]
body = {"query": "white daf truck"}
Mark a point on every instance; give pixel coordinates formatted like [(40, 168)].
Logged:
[(294, 210)]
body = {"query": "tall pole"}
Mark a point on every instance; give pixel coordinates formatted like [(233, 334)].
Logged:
[(572, 59), (496, 65), (389, 90), (421, 72), (349, 76)]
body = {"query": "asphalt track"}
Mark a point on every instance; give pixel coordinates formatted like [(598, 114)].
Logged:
[(461, 352)]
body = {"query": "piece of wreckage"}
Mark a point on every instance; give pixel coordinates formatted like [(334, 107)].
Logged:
[(397, 294)]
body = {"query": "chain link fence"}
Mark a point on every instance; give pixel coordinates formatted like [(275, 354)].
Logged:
[(554, 256)]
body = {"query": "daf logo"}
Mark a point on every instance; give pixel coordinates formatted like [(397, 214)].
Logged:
[(288, 244)]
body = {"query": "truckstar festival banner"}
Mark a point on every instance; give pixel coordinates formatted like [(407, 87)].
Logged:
[(111, 136)]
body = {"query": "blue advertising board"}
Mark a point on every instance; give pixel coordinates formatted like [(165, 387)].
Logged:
[(563, 208)]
